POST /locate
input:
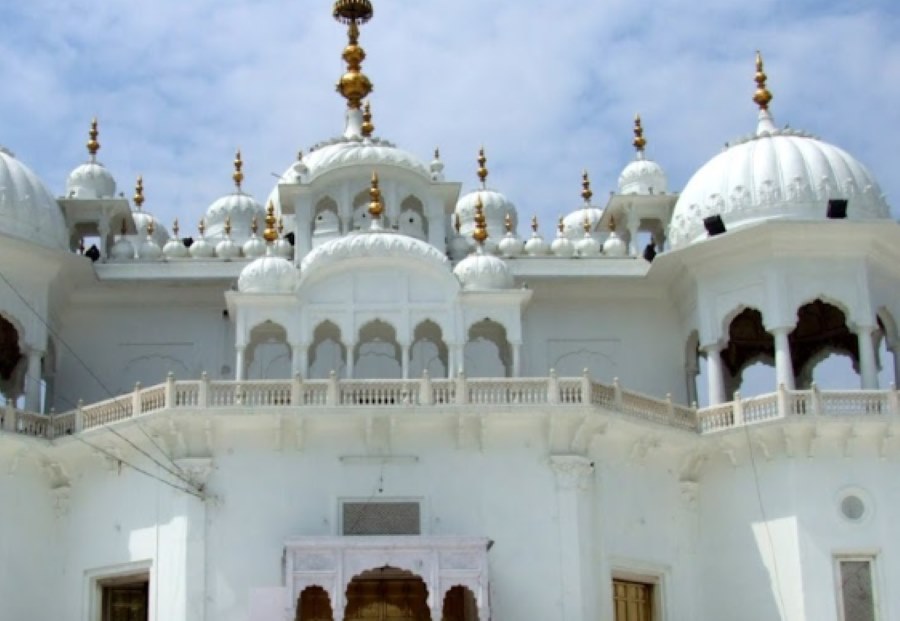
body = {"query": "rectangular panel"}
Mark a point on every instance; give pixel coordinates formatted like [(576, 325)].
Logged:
[(857, 597), (633, 601), (381, 518)]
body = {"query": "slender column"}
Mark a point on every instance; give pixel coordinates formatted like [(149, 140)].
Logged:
[(103, 227), (351, 354), (784, 368), (299, 360), (691, 379), (715, 374), (867, 369), (33, 381), (404, 361), (894, 350), (633, 227), (659, 240), (452, 360), (239, 370), (574, 491), (516, 359)]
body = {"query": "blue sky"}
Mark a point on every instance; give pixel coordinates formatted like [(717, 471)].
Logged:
[(550, 88)]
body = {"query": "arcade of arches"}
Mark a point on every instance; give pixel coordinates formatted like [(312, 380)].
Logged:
[(387, 594), (821, 331)]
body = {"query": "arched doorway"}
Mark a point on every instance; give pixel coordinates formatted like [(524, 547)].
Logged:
[(428, 351), (327, 352), (460, 605), (749, 357), (314, 605), (268, 355), (488, 352), (822, 338), (12, 362), (377, 355), (387, 594)]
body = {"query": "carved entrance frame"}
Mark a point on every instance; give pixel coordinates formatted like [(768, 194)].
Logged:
[(441, 562)]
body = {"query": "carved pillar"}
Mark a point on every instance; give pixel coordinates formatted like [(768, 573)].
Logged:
[(33, 381), (868, 370), (239, 364), (715, 372), (574, 492), (784, 368)]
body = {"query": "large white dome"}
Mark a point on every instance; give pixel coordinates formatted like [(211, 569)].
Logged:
[(27, 209), (371, 244), (643, 176), (91, 181), (774, 174)]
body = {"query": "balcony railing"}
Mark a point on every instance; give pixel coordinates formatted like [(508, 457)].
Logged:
[(427, 393)]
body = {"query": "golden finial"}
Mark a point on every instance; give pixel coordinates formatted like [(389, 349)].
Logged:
[(457, 224), (437, 153), (354, 85), (482, 167), (560, 225), (612, 223), (639, 141), (376, 208), (254, 225), (92, 145), (139, 192), (534, 224), (228, 225), (151, 227), (586, 192), (367, 127), (201, 227), (507, 221), (480, 234), (762, 96), (586, 223), (280, 227), (238, 175), (270, 234), (175, 228)]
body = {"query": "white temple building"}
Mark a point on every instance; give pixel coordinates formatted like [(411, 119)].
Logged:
[(373, 395)]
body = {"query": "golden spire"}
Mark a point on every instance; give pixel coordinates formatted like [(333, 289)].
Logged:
[(201, 226), (762, 97), (354, 85), (151, 227), (457, 224), (586, 192), (280, 227), (612, 223), (254, 225), (376, 208), (639, 141), (507, 221), (92, 145), (482, 168), (586, 223), (270, 234), (139, 192), (175, 228), (534, 224), (238, 174), (561, 226), (367, 127), (228, 225), (480, 234)]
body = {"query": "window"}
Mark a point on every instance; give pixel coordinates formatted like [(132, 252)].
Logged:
[(381, 518), (125, 599), (856, 594), (633, 601)]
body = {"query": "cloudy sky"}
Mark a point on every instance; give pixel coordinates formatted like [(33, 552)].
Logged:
[(549, 87)]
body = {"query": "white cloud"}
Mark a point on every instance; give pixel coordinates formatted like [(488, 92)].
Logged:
[(548, 87)]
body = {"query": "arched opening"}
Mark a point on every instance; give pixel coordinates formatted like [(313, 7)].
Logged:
[(13, 364), (818, 344), (387, 594), (488, 352), (412, 219), (377, 354), (326, 223), (460, 605), (428, 351), (362, 219), (268, 355), (749, 356), (314, 605), (327, 352)]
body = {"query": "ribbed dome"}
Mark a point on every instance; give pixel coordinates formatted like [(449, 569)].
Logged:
[(142, 220), (496, 207), (90, 181), (241, 208), (483, 271), (775, 174), (573, 224), (268, 274), (27, 209), (643, 176), (371, 244)]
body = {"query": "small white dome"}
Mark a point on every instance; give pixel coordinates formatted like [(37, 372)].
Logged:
[(483, 271), (496, 207), (175, 249), (241, 208), (122, 250), (614, 246), (27, 209), (254, 247), (536, 246), (90, 181), (562, 246), (268, 274), (643, 176), (202, 249), (227, 249), (142, 220), (511, 245), (149, 250), (573, 224), (774, 174), (283, 248), (587, 247), (458, 247)]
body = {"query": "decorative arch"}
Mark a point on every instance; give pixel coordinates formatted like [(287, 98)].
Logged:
[(428, 351), (412, 220), (326, 220), (268, 355), (327, 352), (460, 604), (488, 352), (387, 593), (362, 219), (377, 353), (821, 328), (314, 604)]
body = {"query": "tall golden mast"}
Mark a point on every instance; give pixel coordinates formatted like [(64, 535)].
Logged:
[(354, 85)]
